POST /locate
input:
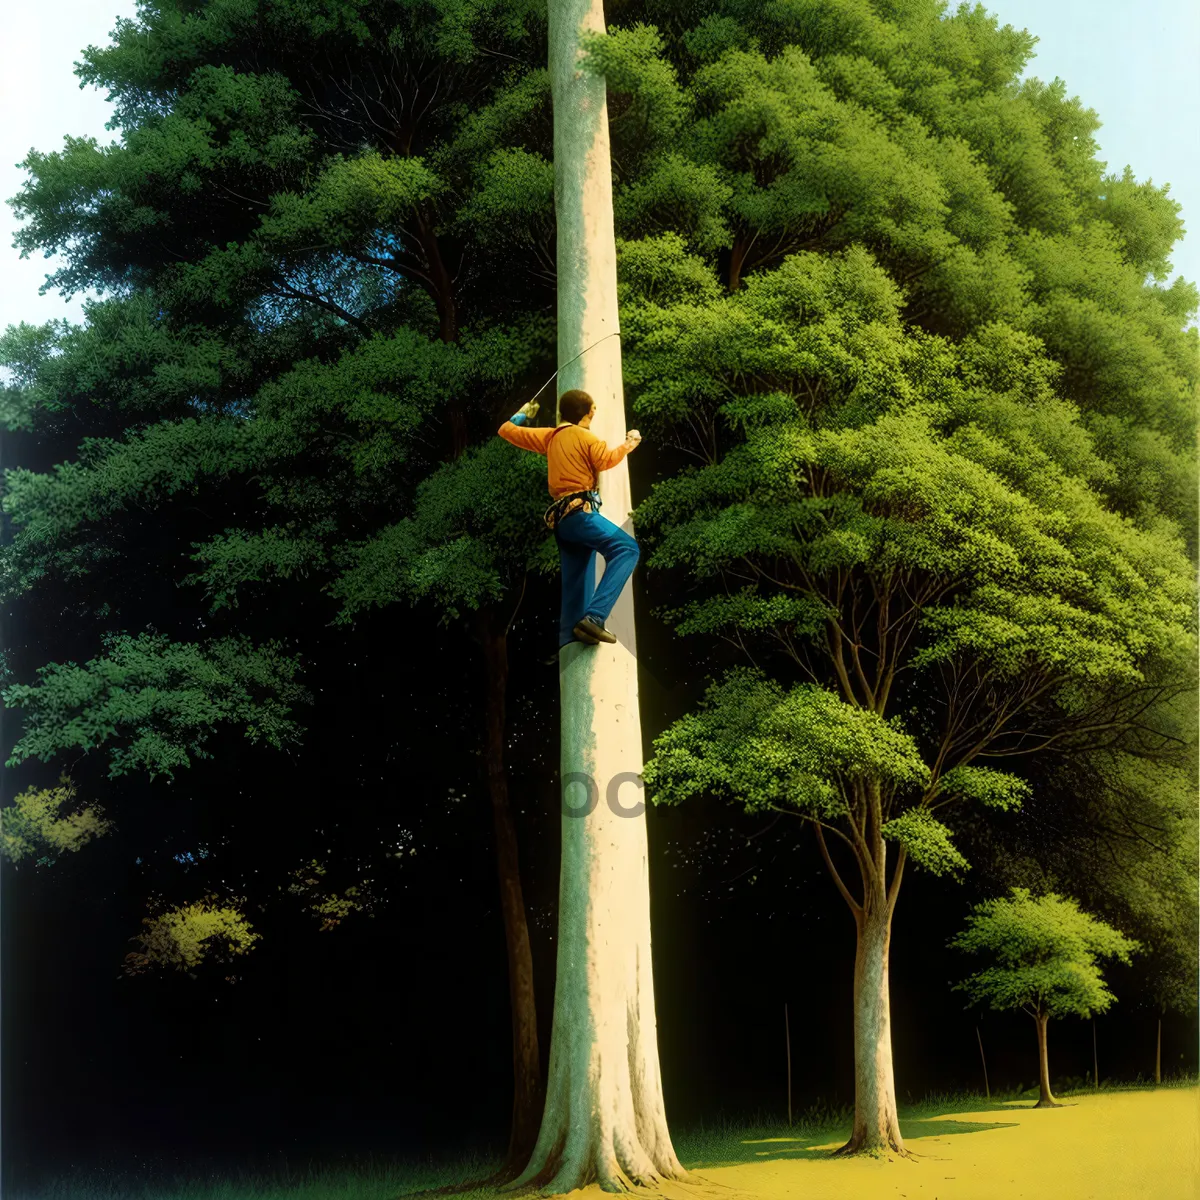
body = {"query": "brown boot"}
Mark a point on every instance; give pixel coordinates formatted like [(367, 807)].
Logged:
[(589, 630)]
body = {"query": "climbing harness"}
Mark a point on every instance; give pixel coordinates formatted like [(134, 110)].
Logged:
[(589, 501)]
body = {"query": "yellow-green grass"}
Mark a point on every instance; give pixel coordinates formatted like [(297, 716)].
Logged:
[(1127, 1145), (1115, 1144)]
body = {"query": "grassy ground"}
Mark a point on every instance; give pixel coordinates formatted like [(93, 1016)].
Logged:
[(1118, 1145), (1115, 1144)]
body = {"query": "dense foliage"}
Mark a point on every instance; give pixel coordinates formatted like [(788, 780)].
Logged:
[(923, 401), (307, 326), (925, 480), (1044, 953)]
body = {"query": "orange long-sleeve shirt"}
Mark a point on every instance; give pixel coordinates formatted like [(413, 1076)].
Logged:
[(575, 456)]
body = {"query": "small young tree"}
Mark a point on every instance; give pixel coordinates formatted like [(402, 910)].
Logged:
[(1044, 953)]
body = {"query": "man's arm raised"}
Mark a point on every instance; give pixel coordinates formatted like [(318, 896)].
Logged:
[(514, 430)]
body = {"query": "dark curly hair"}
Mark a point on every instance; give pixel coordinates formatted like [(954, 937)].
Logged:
[(574, 405)]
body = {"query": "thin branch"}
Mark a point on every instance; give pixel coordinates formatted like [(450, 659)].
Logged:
[(336, 309), (517, 606), (894, 886), (247, 199), (853, 904)]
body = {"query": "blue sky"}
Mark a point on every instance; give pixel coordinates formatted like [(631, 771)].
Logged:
[(1136, 65)]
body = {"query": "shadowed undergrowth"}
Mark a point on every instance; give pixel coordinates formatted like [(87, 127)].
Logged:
[(728, 1141)]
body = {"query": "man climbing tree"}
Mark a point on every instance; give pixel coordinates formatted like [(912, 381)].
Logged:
[(605, 1118), (575, 457)]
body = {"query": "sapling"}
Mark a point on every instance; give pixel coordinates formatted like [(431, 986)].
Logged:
[(1043, 955)]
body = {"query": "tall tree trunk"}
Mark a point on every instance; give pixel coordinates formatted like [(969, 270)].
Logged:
[(876, 1120), (528, 1092), (1045, 1098), (604, 1117), (441, 288)]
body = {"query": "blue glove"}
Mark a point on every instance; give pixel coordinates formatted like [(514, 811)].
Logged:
[(525, 413)]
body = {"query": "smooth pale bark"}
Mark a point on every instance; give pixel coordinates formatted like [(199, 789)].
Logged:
[(528, 1091), (604, 1118), (1046, 1097), (876, 1119)]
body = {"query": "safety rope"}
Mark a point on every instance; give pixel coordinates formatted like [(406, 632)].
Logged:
[(615, 333)]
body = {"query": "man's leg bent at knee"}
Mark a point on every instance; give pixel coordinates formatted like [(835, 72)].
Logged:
[(620, 552)]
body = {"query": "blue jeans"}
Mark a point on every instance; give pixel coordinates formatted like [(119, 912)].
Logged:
[(579, 537)]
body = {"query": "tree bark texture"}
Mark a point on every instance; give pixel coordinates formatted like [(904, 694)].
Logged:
[(876, 1119), (1045, 1097)]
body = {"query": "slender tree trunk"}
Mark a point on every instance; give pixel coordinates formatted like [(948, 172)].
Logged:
[(787, 1037), (876, 1120), (528, 1091), (1095, 1058), (527, 1081), (1045, 1098), (986, 1086), (604, 1119), (1158, 1056)]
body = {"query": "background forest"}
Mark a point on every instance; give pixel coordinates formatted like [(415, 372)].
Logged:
[(918, 507)]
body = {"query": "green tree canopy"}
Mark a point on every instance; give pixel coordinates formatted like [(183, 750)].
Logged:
[(758, 131), (909, 522), (302, 324), (1118, 829), (325, 243), (153, 702), (1044, 954), (931, 415)]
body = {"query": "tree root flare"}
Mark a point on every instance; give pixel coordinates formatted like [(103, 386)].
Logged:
[(857, 1149), (688, 1186)]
